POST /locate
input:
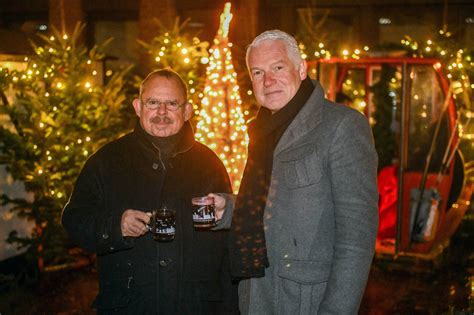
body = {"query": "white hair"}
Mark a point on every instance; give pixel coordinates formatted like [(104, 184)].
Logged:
[(277, 35)]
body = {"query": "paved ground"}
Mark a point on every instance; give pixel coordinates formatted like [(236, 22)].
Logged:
[(447, 291)]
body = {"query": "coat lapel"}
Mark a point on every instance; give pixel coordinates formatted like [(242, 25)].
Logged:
[(306, 120)]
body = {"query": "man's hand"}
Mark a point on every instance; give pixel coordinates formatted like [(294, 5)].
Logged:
[(219, 203), (134, 223)]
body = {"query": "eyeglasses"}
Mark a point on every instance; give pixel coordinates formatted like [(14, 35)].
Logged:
[(153, 104)]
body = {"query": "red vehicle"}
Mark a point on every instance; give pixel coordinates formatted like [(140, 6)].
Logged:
[(422, 184)]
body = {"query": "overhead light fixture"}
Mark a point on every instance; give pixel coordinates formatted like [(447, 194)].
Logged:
[(385, 21)]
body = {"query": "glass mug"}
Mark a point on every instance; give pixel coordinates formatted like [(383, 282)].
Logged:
[(204, 216), (163, 224)]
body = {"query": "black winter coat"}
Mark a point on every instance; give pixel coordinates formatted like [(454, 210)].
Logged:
[(140, 275)]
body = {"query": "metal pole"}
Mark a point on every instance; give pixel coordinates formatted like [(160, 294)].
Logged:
[(424, 177), (404, 120)]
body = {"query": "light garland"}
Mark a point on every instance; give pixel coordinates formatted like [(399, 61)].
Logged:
[(174, 49), (221, 123), (54, 87)]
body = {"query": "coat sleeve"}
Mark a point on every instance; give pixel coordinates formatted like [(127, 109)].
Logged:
[(353, 173), (229, 302), (86, 217), (223, 187)]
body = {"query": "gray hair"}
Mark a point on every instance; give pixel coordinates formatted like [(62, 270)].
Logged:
[(168, 74), (274, 35)]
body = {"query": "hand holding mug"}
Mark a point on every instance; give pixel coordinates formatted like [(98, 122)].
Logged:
[(134, 223), (163, 224), (219, 205), (203, 212)]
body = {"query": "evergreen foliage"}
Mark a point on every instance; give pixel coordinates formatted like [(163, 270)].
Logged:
[(60, 112), (174, 47)]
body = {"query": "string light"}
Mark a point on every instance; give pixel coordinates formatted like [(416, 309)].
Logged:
[(456, 62), (172, 49), (221, 123), (52, 161)]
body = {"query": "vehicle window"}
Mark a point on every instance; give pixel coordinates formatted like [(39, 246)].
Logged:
[(384, 109), (353, 90), (425, 108)]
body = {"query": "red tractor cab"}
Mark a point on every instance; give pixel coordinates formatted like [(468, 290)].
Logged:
[(423, 193)]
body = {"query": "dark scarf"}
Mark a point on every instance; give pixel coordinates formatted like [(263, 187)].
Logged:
[(168, 148), (166, 145), (248, 252)]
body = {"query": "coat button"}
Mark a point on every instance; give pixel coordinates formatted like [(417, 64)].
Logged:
[(155, 166), (105, 236), (163, 263)]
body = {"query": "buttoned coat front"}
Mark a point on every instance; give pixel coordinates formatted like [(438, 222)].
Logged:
[(140, 275), (321, 215)]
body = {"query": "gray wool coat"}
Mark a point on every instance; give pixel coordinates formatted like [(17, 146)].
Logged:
[(320, 217)]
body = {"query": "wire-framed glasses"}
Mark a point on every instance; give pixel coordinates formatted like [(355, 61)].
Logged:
[(153, 104)]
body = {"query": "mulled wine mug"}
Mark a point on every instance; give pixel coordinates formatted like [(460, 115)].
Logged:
[(163, 224), (204, 216)]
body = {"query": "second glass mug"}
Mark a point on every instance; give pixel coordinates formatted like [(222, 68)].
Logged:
[(204, 216)]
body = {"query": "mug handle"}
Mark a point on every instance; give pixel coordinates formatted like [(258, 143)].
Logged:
[(149, 226)]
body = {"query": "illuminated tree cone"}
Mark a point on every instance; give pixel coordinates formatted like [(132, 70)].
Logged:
[(221, 123)]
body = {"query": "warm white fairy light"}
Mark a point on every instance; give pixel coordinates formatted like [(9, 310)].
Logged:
[(221, 123), (455, 61)]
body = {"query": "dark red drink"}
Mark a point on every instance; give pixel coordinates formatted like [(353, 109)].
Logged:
[(203, 212)]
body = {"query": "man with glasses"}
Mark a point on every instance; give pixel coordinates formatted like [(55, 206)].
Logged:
[(159, 164)]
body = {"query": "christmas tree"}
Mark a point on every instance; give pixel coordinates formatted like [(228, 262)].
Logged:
[(221, 123), (183, 52), (60, 112)]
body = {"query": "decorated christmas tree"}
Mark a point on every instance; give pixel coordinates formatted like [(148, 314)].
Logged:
[(59, 112), (221, 123), (175, 48)]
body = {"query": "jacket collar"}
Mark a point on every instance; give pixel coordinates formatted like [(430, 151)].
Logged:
[(308, 118), (186, 143)]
